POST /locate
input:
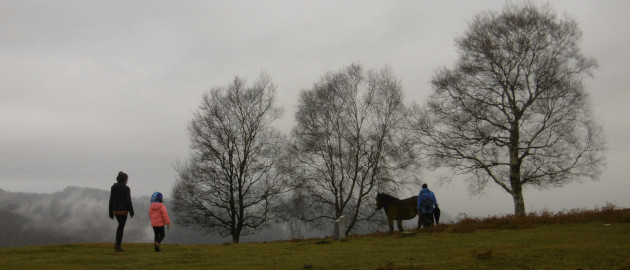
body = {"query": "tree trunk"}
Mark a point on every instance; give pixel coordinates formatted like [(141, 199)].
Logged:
[(235, 238), (517, 190), (237, 232), (517, 187), (515, 172), (519, 203)]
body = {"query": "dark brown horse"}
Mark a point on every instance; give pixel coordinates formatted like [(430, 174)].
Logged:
[(398, 210)]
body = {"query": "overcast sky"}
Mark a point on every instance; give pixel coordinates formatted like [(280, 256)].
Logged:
[(90, 88)]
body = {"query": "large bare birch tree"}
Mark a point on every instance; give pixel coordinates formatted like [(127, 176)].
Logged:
[(231, 181), (513, 111), (343, 145)]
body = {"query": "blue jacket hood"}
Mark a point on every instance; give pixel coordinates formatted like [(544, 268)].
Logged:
[(156, 197)]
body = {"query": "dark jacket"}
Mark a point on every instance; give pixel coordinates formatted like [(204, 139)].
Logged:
[(120, 199)]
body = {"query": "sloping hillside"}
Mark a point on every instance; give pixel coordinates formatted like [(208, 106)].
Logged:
[(593, 245)]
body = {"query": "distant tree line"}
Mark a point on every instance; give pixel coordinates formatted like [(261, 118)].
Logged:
[(512, 111)]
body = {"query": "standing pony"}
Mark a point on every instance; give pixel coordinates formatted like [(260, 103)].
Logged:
[(398, 210)]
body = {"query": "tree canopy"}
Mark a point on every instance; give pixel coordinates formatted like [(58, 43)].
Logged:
[(513, 110), (344, 146), (232, 179)]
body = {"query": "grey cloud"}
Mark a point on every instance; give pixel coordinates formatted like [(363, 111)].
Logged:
[(91, 88)]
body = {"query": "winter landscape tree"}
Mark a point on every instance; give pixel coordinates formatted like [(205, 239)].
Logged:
[(344, 147), (231, 181), (513, 111)]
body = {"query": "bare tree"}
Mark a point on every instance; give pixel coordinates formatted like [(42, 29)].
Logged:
[(343, 146), (231, 182), (513, 110)]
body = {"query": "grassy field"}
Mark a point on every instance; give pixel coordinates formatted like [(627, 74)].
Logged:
[(491, 243)]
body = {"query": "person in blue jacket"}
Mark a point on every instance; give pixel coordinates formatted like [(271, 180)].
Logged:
[(426, 204)]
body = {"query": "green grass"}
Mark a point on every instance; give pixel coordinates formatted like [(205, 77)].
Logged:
[(578, 244)]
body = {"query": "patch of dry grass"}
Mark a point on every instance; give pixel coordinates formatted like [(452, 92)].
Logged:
[(608, 214)]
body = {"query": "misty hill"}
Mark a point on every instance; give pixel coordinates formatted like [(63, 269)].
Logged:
[(79, 215)]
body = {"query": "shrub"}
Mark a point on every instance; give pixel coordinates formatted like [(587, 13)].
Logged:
[(609, 213)]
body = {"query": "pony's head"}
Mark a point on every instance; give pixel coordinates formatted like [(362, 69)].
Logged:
[(383, 200)]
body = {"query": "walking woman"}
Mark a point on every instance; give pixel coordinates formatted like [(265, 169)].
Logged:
[(120, 205)]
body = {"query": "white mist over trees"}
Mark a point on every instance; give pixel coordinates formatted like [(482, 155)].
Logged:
[(513, 110), (79, 215), (74, 215)]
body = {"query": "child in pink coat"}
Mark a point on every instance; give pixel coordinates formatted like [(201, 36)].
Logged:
[(159, 218)]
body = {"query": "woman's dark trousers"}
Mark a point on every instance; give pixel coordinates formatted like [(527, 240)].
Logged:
[(122, 219)]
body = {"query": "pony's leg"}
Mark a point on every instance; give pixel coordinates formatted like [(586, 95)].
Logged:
[(419, 221), (400, 227), (391, 226)]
